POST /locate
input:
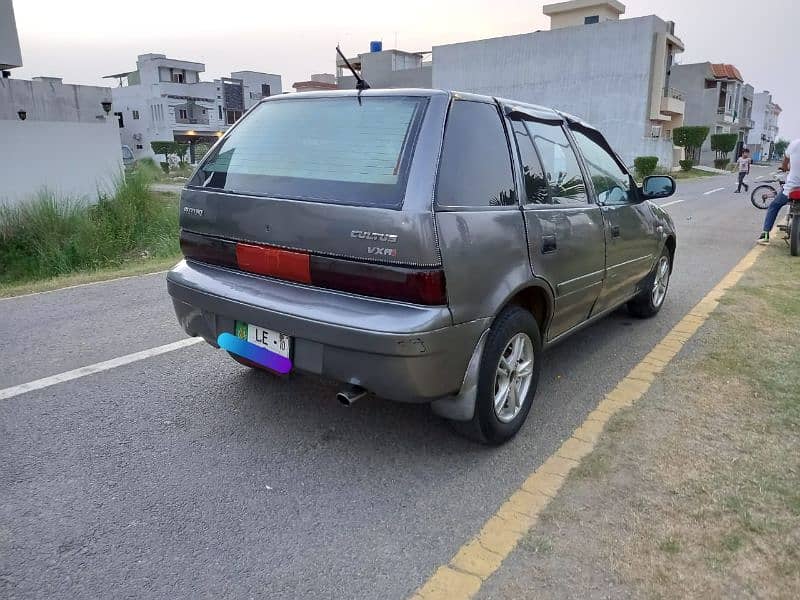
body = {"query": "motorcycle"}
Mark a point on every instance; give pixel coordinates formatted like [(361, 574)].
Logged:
[(792, 226)]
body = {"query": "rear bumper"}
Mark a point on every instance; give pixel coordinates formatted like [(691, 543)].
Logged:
[(399, 351)]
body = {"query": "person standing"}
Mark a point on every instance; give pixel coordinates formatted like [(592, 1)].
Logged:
[(791, 163), (743, 163)]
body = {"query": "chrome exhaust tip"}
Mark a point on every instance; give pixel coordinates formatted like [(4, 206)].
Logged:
[(349, 396)]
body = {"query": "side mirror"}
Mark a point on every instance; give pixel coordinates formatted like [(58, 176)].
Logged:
[(658, 186)]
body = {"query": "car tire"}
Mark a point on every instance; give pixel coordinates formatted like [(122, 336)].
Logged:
[(514, 330), (654, 288)]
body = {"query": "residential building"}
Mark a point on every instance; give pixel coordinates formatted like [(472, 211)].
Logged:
[(764, 134), (387, 69), (317, 83), (164, 99), (10, 54), (717, 97), (54, 135), (611, 72)]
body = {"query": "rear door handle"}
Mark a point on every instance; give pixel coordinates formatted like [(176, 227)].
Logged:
[(615, 231), (549, 244)]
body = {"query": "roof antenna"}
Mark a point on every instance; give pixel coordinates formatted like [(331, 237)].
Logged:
[(361, 85)]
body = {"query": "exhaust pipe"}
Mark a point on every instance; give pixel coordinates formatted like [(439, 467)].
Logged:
[(348, 396)]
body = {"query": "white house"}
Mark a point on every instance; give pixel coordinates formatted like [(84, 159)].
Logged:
[(611, 72), (53, 135), (764, 134), (165, 100)]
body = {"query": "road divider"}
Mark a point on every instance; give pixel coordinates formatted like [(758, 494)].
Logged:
[(45, 382), (462, 577)]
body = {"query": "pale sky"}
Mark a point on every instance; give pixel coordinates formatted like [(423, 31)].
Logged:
[(81, 40)]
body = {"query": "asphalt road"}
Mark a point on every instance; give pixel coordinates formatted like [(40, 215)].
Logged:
[(186, 475)]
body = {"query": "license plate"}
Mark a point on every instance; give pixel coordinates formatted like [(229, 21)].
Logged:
[(273, 341)]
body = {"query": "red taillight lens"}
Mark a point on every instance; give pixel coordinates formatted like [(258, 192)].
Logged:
[(419, 286), (283, 264)]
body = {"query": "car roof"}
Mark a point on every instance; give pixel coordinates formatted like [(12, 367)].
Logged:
[(509, 106)]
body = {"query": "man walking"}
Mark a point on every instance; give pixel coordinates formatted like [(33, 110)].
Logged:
[(744, 168), (791, 163)]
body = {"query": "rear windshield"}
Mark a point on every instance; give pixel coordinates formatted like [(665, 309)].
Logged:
[(333, 150)]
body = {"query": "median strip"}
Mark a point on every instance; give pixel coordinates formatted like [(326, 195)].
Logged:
[(45, 382), (481, 556)]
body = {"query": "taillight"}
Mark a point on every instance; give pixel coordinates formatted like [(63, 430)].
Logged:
[(419, 286), (275, 262)]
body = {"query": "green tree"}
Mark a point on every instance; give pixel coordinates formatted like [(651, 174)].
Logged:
[(724, 143), (780, 147), (691, 139), (645, 165)]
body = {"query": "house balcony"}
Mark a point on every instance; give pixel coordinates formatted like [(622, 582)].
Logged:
[(725, 116), (672, 102)]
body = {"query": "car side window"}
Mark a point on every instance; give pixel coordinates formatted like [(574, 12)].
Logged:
[(475, 168), (612, 183), (536, 189), (560, 164)]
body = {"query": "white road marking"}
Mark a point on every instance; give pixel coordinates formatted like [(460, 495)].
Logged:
[(760, 177), (712, 191), (671, 203), (106, 365), (79, 285)]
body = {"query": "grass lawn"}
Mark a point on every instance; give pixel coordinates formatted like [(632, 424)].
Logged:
[(693, 174), (131, 267), (51, 241), (695, 491)]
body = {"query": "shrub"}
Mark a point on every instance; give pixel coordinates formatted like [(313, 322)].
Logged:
[(690, 138), (686, 165), (164, 166), (723, 144), (721, 163), (50, 235), (645, 165)]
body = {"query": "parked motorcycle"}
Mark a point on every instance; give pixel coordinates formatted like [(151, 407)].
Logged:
[(792, 226)]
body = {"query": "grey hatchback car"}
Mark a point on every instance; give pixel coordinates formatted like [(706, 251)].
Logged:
[(422, 245)]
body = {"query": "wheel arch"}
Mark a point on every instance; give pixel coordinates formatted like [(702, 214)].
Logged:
[(670, 244), (537, 298)]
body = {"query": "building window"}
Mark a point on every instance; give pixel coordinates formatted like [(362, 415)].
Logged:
[(266, 90), (119, 119), (231, 116), (591, 20), (182, 113), (219, 110), (135, 115), (177, 78), (139, 147)]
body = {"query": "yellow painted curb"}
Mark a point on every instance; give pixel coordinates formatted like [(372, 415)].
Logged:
[(481, 556)]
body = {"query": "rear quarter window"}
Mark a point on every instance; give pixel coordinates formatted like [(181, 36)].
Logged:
[(475, 168), (336, 150)]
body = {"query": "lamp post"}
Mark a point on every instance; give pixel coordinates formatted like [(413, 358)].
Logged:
[(106, 104)]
